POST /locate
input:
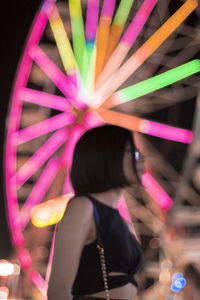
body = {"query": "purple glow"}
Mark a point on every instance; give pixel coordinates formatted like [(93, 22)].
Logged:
[(41, 156), (39, 190), (15, 111), (44, 99), (92, 19), (108, 8), (166, 132), (138, 22), (156, 192), (57, 76), (39, 282), (44, 127)]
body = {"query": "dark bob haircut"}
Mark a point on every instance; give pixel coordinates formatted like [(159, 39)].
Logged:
[(97, 164)]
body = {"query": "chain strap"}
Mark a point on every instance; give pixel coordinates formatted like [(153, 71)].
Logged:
[(103, 269)]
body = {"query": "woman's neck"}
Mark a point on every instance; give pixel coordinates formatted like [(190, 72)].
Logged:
[(110, 197)]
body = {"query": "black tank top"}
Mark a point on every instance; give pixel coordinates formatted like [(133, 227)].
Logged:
[(122, 254)]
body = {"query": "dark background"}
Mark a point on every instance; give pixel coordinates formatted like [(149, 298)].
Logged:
[(16, 19)]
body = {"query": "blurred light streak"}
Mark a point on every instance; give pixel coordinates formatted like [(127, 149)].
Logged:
[(44, 99), (48, 271), (166, 132), (39, 190), (57, 76), (127, 41), (117, 26), (46, 126), (91, 30), (64, 47), (51, 211), (103, 35), (4, 292), (6, 268), (138, 58), (62, 41), (152, 84), (123, 210), (39, 282), (24, 258), (148, 127), (41, 155), (156, 192), (78, 34), (39, 23)]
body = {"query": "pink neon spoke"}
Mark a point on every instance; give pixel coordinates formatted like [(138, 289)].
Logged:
[(123, 209), (166, 132), (39, 190), (92, 20), (51, 255), (156, 192), (44, 127), (44, 99), (57, 76), (138, 22), (108, 7), (67, 156), (42, 155), (39, 282), (75, 134)]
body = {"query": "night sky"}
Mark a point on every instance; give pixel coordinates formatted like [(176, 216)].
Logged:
[(16, 19)]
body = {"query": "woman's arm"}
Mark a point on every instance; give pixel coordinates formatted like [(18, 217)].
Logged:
[(71, 236)]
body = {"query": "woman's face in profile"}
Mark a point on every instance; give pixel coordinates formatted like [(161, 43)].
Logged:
[(128, 166)]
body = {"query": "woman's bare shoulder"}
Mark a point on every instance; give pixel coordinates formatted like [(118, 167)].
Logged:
[(79, 208)]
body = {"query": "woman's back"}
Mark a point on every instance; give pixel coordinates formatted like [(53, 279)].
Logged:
[(122, 254)]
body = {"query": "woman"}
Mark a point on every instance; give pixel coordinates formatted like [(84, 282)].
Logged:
[(105, 162)]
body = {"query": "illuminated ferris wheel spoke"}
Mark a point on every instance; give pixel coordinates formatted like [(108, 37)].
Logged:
[(118, 26), (152, 84), (39, 190), (103, 35), (44, 127), (44, 99), (156, 191), (90, 35), (127, 41), (78, 33), (139, 57), (147, 127), (56, 75), (41, 156), (64, 47)]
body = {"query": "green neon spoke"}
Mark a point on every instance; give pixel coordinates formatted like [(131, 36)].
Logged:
[(78, 33), (122, 12), (158, 82)]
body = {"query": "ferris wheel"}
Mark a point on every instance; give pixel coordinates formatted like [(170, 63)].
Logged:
[(85, 65)]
